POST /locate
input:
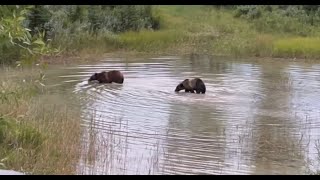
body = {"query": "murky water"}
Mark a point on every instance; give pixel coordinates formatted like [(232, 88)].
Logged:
[(255, 118)]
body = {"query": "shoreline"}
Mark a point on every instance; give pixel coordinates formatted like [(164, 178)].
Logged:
[(89, 57)]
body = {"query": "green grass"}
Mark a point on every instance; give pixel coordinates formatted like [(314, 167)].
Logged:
[(199, 29), (194, 29), (187, 29), (306, 47), (39, 132), (150, 41)]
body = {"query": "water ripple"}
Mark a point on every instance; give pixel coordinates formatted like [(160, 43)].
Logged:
[(252, 120)]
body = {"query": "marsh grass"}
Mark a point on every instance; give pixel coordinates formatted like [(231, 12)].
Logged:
[(150, 40), (303, 47), (212, 31), (39, 131), (199, 29), (313, 165), (193, 29), (106, 150)]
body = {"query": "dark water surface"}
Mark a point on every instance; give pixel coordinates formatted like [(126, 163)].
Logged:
[(257, 117)]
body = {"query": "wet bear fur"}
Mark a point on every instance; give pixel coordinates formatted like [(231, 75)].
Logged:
[(195, 84), (108, 77)]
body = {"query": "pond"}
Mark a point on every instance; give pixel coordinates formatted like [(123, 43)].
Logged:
[(257, 116)]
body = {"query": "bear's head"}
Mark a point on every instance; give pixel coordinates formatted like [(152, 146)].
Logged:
[(181, 86), (94, 77)]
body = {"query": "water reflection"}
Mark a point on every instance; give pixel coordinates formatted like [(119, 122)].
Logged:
[(276, 144), (192, 139)]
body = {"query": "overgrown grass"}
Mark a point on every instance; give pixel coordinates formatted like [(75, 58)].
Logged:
[(150, 40), (183, 30), (39, 132), (218, 32), (200, 29), (307, 47), (187, 29)]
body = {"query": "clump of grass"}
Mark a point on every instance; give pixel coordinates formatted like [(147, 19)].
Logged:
[(202, 29), (39, 131), (150, 40), (18, 141), (306, 47), (263, 45), (103, 42)]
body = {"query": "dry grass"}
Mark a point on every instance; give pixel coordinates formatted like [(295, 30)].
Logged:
[(40, 132)]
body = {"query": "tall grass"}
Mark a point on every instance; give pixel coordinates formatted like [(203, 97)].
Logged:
[(39, 131), (150, 40), (200, 29), (306, 47), (241, 31)]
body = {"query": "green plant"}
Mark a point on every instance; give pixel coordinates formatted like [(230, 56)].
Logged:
[(29, 47)]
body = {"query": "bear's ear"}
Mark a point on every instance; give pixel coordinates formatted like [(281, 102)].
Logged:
[(185, 80)]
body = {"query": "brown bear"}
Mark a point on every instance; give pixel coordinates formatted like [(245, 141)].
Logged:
[(108, 77), (195, 84)]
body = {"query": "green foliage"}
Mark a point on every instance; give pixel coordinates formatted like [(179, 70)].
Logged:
[(75, 26), (291, 19), (39, 130), (14, 36), (29, 32), (248, 11), (14, 134), (37, 18)]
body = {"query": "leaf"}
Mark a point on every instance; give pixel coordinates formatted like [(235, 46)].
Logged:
[(39, 41), (42, 84), (25, 42), (3, 165), (21, 18), (4, 159), (28, 35), (29, 51)]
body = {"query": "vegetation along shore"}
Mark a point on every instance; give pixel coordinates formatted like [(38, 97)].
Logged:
[(41, 138)]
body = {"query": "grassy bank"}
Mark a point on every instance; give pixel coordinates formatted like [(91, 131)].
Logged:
[(208, 30), (199, 29), (39, 132), (238, 31)]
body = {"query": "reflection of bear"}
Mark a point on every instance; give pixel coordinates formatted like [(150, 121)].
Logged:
[(195, 84), (108, 77)]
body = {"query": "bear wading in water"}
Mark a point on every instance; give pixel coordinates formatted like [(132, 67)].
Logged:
[(195, 84), (108, 77)]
